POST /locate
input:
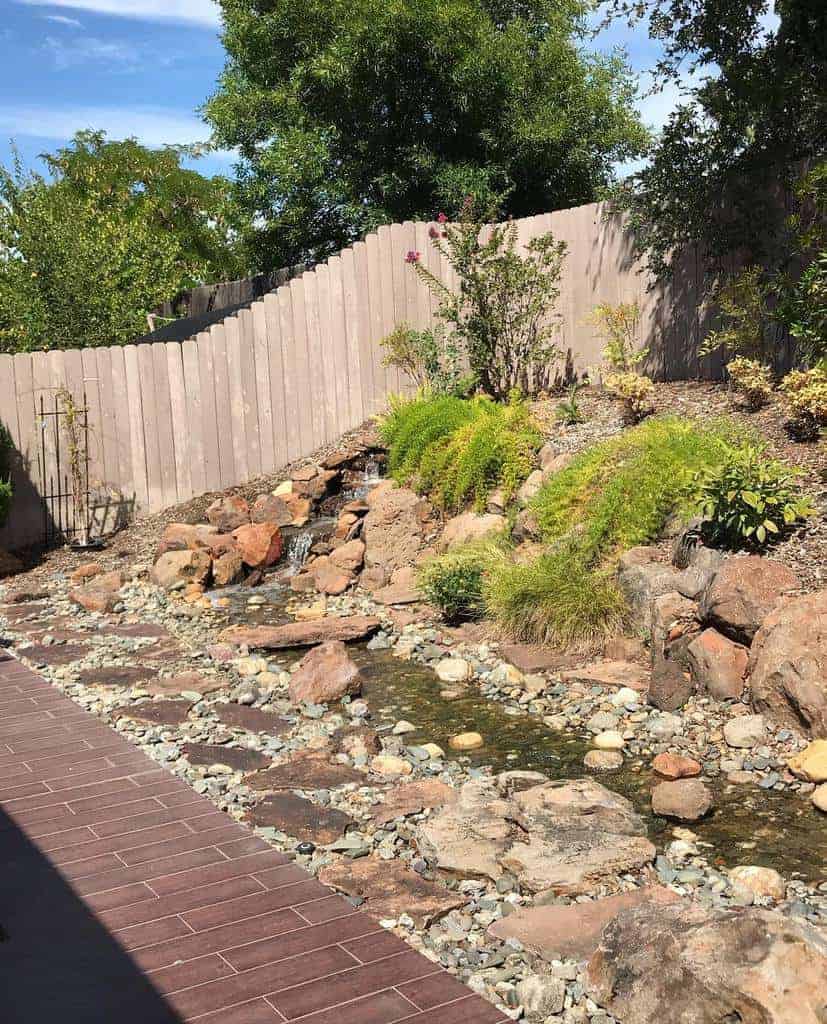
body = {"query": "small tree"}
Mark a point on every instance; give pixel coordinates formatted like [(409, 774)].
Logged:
[(619, 326), (503, 312)]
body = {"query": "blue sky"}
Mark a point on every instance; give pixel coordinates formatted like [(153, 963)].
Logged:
[(142, 68)]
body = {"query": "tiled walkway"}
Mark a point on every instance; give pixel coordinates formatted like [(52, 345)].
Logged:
[(127, 898)]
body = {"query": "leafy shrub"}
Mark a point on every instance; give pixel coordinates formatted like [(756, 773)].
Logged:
[(5, 473), (752, 380), (568, 410), (430, 358), (744, 302), (619, 327), (749, 500), (613, 496), (453, 583), (502, 313), (635, 391), (458, 451), (805, 394)]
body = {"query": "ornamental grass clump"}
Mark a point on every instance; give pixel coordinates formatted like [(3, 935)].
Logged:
[(458, 451)]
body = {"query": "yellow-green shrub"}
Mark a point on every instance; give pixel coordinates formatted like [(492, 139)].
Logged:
[(805, 395), (636, 392), (751, 379)]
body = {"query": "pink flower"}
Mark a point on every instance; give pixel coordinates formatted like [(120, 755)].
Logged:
[(442, 219), (412, 257), (432, 232)]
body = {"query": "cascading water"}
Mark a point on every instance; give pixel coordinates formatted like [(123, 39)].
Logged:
[(371, 476), (297, 551)]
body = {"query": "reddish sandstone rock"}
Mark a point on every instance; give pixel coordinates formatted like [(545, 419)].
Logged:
[(185, 536), (100, 594), (269, 508), (299, 508), (324, 675), (302, 634), (259, 544), (685, 799), (743, 592), (228, 512), (328, 578), (177, 568), (349, 557), (228, 569), (674, 766), (86, 571), (717, 665)]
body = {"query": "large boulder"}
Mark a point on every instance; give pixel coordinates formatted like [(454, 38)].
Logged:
[(471, 526), (571, 836), (185, 536), (682, 963), (395, 528), (228, 512), (174, 569), (324, 675), (788, 664), (259, 544), (718, 665), (743, 592)]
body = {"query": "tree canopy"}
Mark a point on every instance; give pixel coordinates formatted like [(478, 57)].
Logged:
[(352, 113), (112, 232), (753, 116)]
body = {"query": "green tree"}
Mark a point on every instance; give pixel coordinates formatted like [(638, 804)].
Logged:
[(754, 111), (113, 231), (353, 113)]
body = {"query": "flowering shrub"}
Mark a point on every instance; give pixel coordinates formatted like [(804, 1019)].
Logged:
[(805, 394), (636, 392), (752, 380)]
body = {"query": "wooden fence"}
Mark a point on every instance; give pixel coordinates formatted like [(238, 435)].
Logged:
[(170, 420)]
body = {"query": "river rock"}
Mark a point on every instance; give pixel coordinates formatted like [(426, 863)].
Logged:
[(745, 732), (743, 592), (303, 634), (686, 964), (685, 800), (717, 664), (674, 766), (466, 741), (470, 526), (811, 763), (324, 675), (395, 528), (573, 836), (603, 760), (176, 568), (819, 798), (259, 544), (453, 670), (540, 996), (100, 594), (762, 882), (788, 665), (390, 764), (611, 739)]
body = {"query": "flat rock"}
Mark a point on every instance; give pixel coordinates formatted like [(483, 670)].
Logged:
[(411, 798), (306, 770), (186, 682), (136, 629), (390, 889), (117, 675), (19, 612), (533, 657), (239, 716), (610, 674), (300, 818), (240, 759), (303, 634), (157, 712), (683, 799), (573, 932), (53, 654)]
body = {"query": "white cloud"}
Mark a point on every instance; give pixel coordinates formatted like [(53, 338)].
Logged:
[(200, 12), (61, 19), (88, 50), (153, 126)]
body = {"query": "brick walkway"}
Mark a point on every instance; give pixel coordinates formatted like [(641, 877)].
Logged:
[(127, 898)]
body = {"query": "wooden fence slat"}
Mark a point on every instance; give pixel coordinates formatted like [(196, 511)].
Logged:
[(238, 431), (326, 368), (109, 421), (261, 353), (91, 386), (163, 412), (120, 403), (249, 391), (292, 398), (181, 430), (194, 417), (276, 381), (223, 404), (137, 437), (376, 327), (24, 509), (207, 381), (387, 256), (338, 344), (351, 307), (303, 368), (151, 432), (315, 391), (29, 427), (366, 356), (400, 246)]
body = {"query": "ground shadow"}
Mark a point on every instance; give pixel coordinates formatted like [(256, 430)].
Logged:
[(57, 962)]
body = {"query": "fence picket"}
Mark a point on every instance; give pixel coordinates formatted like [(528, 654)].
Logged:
[(263, 397), (181, 430)]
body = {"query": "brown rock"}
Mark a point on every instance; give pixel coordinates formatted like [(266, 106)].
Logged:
[(411, 798), (670, 687), (221, 544), (53, 654), (470, 526), (177, 568), (625, 648), (390, 889), (316, 488), (354, 739), (685, 964), (259, 544), (718, 665), (20, 612), (327, 578), (269, 508), (611, 674), (402, 588), (788, 665), (100, 594), (239, 716), (86, 571), (394, 528), (228, 569), (117, 675), (349, 557), (743, 592), (305, 473), (573, 932), (228, 512), (190, 682), (156, 712), (185, 536), (299, 508), (685, 799), (300, 818), (306, 770), (324, 675), (674, 766), (534, 658), (240, 759), (303, 634)]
